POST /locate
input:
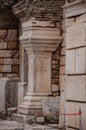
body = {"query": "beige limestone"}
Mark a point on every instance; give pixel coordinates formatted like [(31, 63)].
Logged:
[(81, 19), (75, 36), (74, 120), (62, 108), (75, 88), (62, 60), (67, 22), (70, 108), (62, 70), (63, 51), (74, 9), (70, 61), (80, 61), (62, 82), (55, 87), (75, 61), (39, 63)]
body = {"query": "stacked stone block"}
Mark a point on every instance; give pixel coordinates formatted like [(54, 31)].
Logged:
[(75, 94), (8, 53)]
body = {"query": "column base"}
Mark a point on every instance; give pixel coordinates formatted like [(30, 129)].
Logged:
[(32, 104)]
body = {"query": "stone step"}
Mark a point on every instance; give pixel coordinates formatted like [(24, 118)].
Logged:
[(22, 118)]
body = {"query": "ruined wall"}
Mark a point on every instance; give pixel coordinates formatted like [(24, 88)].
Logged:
[(9, 64), (75, 90)]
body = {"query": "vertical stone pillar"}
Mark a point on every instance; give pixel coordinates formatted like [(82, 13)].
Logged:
[(75, 95), (39, 41)]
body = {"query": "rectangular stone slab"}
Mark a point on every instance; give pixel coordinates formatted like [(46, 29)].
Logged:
[(76, 35), (81, 61), (76, 88), (70, 61), (74, 120)]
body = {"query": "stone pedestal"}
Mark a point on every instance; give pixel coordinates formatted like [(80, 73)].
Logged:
[(39, 39)]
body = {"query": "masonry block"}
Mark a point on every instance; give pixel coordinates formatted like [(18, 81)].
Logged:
[(5, 68), (63, 51), (3, 34), (75, 88), (12, 45), (62, 82), (70, 108), (76, 35), (81, 18), (3, 45), (70, 62), (62, 70), (8, 53), (9, 61), (62, 60), (76, 120), (75, 61), (81, 61), (12, 35)]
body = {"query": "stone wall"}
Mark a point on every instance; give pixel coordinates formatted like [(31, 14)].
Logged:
[(75, 90), (9, 46)]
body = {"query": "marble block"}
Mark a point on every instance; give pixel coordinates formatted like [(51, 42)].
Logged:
[(76, 88), (76, 35)]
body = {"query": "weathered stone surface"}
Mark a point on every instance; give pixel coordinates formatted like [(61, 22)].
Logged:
[(3, 34), (70, 61), (75, 88), (8, 53), (11, 92), (51, 107), (63, 51), (80, 61), (62, 108), (2, 95), (70, 108), (12, 35), (3, 45), (22, 89), (75, 36), (64, 40), (12, 45), (62, 70), (15, 69), (62, 60), (9, 61), (74, 9), (76, 120), (5, 68), (67, 22), (62, 82), (81, 19), (75, 61), (55, 87)]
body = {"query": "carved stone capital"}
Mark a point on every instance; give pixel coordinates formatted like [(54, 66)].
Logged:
[(40, 36)]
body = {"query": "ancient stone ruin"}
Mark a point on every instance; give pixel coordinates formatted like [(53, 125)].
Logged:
[(43, 63)]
